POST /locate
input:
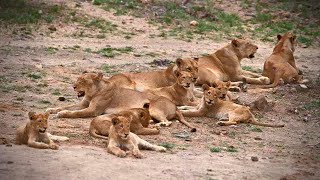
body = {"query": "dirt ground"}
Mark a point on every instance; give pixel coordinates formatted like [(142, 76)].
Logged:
[(36, 69)]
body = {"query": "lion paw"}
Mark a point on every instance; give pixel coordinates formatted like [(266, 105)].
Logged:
[(161, 149), (137, 154), (164, 124), (121, 154), (52, 110), (220, 123), (54, 146), (62, 114), (264, 80)]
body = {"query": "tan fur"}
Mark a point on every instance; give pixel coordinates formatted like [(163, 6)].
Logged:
[(140, 118), (180, 93), (34, 132), (121, 139), (123, 81), (224, 64), (102, 96), (281, 64), (212, 106), (162, 78)]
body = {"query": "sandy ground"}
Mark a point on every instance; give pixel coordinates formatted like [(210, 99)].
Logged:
[(288, 153)]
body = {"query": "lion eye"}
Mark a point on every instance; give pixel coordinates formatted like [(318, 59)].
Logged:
[(189, 69), (209, 92)]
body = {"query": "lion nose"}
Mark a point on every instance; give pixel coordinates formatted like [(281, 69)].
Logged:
[(74, 87), (257, 47), (188, 84), (126, 134)]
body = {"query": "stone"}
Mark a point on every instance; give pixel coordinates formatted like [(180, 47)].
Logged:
[(254, 158), (193, 23), (262, 104), (61, 98), (52, 28)]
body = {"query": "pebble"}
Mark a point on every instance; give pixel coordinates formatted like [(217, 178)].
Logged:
[(258, 138), (254, 158), (193, 23), (303, 86), (61, 98), (52, 28)]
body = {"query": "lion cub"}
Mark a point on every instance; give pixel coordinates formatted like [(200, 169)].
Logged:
[(140, 118), (180, 93), (227, 112), (121, 139), (34, 132)]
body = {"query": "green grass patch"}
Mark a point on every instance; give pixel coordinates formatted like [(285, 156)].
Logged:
[(103, 25), (312, 105), (44, 102), (231, 149), (108, 69), (34, 75), (215, 149), (51, 50), (168, 145), (111, 52), (255, 129), (56, 92)]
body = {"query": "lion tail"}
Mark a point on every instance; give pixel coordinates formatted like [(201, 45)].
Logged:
[(93, 133), (183, 121), (254, 121)]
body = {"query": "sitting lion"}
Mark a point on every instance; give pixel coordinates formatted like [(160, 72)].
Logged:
[(101, 96), (281, 63), (162, 78), (139, 118), (224, 64), (34, 132), (121, 139), (180, 93), (227, 112)]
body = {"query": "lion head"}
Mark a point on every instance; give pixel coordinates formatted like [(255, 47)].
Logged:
[(288, 40), (244, 48), (190, 65), (184, 79), (210, 94), (87, 83), (222, 87), (39, 122), (121, 125)]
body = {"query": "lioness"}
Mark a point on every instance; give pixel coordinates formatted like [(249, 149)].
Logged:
[(102, 96), (34, 132), (163, 78), (281, 63), (224, 64), (139, 117), (180, 93), (212, 106), (120, 139)]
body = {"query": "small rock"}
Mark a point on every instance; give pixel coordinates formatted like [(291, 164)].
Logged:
[(3, 140), (258, 138), (10, 162), (293, 90), (52, 28), (254, 158), (304, 46), (8, 145), (193, 23), (209, 170), (305, 119), (61, 98), (303, 86), (262, 104), (304, 66)]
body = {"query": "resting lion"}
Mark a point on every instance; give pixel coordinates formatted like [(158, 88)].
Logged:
[(224, 64), (180, 93), (139, 117), (101, 96), (227, 112), (281, 63), (121, 139), (162, 78), (34, 132)]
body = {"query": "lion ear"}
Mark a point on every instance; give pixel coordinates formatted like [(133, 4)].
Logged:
[(293, 38), (32, 115), (99, 76), (228, 84), (279, 37), (84, 72), (235, 43), (196, 59), (46, 115), (115, 120), (205, 87), (179, 62), (214, 84), (146, 105)]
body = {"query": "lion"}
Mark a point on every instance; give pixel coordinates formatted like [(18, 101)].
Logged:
[(101, 96), (163, 78), (281, 64), (180, 93), (121, 139), (227, 112), (34, 132), (224, 64), (139, 117)]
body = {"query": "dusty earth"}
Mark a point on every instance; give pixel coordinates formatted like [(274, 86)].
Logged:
[(36, 69)]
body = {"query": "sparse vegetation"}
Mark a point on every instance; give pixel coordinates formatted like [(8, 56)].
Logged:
[(168, 145), (111, 52), (312, 105), (255, 129), (215, 149)]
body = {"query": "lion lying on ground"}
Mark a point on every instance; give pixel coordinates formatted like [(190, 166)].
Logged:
[(180, 93), (225, 65), (162, 78), (139, 117), (121, 139), (227, 112), (34, 132), (102, 96), (281, 63)]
